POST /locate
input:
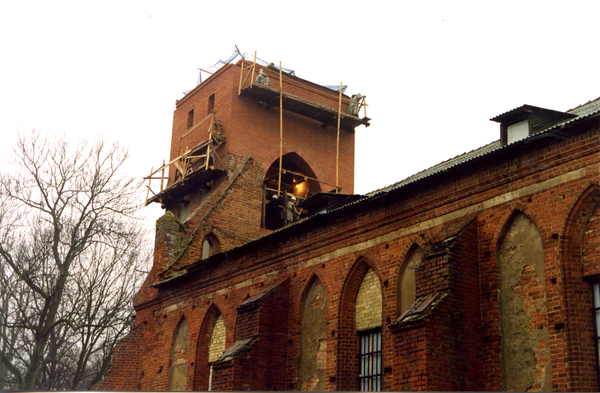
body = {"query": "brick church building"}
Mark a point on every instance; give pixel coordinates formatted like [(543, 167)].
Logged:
[(480, 273)]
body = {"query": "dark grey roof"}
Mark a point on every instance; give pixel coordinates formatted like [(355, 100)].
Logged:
[(262, 294), (583, 111), (443, 166), (421, 308), (236, 349)]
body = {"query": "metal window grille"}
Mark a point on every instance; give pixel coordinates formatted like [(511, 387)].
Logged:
[(370, 361)]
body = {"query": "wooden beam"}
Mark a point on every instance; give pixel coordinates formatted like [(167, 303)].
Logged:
[(241, 75), (280, 129), (194, 127), (337, 150), (179, 168), (253, 69), (147, 192), (162, 177)]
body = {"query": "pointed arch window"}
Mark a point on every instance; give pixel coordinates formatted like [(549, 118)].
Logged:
[(594, 282), (312, 351), (207, 248), (520, 261), (211, 345), (216, 346), (406, 287), (370, 360), (368, 321), (179, 357)]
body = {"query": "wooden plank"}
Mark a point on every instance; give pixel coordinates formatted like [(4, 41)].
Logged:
[(153, 178), (218, 159), (179, 168), (364, 105), (147, 192), (264, 207), (194, 127), (162, 177), (241, 75), (337, 146), (253, 66), (306, 107), (253, 69), (149, 189), (207, 156), (280, 130)]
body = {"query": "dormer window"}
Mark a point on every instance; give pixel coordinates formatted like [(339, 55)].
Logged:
[(517, 131), (527, 120)]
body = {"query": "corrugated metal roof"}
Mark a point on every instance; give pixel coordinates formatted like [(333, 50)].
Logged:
[(583, 111), (589, 108)]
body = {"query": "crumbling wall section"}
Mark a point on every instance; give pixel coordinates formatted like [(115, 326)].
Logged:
[(525, 359), (406, 286), (126, 359), (261, 335), (178, 365), (312, 355)]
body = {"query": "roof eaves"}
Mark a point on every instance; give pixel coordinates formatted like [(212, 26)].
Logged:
[(459, 160)]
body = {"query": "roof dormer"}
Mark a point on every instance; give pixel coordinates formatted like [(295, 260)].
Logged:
[(527, 120)]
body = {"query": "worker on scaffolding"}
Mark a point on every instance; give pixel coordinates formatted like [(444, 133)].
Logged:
[(274, 213), (354, 105), (262, 78), (290, 214)]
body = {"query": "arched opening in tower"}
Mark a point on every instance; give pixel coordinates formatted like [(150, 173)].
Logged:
[(296, 182)]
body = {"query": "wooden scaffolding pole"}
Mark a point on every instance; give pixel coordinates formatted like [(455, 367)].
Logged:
[(253, 69), (337, 151), (148, 191), (162, 177), (280, 128)]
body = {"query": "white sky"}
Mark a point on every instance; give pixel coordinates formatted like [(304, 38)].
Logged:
[(434, 72)]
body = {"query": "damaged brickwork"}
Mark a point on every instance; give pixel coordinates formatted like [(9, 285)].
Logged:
[(476, 272), (523, 323), (313, 338)]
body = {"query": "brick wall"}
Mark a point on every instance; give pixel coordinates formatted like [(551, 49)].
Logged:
[(217, 340), (459, 219), (368, 303), (126, 372), (254, 132)]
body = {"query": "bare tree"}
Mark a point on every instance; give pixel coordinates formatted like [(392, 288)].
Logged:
[(70, 252)]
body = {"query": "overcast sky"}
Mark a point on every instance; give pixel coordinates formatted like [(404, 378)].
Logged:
[(434, 72)]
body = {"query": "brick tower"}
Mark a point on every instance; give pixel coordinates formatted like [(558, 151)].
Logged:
[(225, 183)]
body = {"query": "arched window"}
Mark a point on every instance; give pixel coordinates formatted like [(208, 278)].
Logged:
[(368, 309), (179, 357), (524, 358), (406, 289), (313, 337), (211, 345), (208, 247), (297, 179), (216, 346)]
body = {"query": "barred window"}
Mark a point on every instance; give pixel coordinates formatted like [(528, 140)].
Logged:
[(370, 361), (596, 312)]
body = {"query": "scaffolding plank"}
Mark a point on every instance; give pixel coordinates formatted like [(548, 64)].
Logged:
[(304, 107)]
